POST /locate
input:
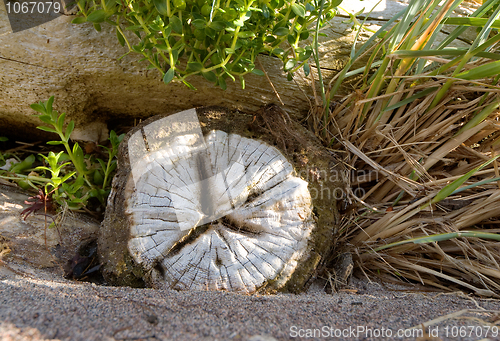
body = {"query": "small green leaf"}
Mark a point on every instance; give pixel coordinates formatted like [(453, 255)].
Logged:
[(38, 107), (246, 34), (79, 20), (169, 75), (120, 37), (60, 121), (134, 28), (258, 72), (199, 23), (161, 6), (265, 11), (176, 24), (43, 168), (307, 69), (69, 130), (290, 63), (226, 37), (138, 48), (278, 52), (97, 27), (304, 55), (98, 178), (55, 143), (78, 182), (67, 176), (94, 193), (162, 47), (56, 181), (199, 34), (210, 32), (210, 76), (108, 4), (222, 83), (45, 118), (97, 16), (48, 105), (168, 31), (180, 5), (48, 129), (195, 66), (23, 165), (270, 39), (103, 164), (217, 25), (281, 31), (3, 139), (79, 159), (299, 9)]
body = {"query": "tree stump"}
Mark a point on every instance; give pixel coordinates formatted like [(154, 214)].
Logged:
[(211, 199)]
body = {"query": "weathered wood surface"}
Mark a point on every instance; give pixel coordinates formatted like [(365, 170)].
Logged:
[(229, 215), (82, 69), (211, 208)]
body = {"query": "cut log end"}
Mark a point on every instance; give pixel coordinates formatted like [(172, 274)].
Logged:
[(206, 212)]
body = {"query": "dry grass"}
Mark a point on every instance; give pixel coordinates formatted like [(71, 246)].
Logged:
[(418, 141), (402, 164)]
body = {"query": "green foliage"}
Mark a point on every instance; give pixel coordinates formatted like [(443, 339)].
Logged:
[(218, 39), (2, 157), (406, 48), (70, 176), (452, 188)]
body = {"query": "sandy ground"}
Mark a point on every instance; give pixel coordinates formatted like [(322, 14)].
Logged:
[(40, 305)]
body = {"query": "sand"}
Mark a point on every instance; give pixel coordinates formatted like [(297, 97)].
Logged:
[(41, 305)]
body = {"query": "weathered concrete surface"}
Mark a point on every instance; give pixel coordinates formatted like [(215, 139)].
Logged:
[(26, 238)]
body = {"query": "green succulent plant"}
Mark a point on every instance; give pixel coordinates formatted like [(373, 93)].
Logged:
[(217, 39)]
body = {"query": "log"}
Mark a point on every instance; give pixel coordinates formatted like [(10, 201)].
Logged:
[(82, 68), (211, 199)]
